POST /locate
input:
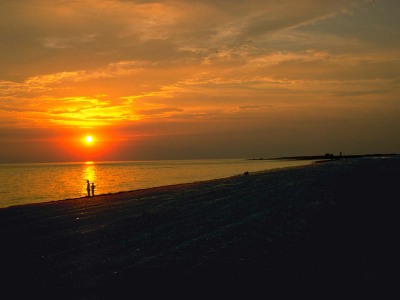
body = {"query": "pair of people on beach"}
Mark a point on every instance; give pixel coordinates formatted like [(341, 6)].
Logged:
[(90, 187)]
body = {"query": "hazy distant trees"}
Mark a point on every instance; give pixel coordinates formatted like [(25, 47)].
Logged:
[(329, 156)]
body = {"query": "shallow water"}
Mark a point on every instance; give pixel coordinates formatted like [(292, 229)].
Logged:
[(35, 183)]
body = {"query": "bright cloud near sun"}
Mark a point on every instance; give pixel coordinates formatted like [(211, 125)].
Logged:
[(174, 79)]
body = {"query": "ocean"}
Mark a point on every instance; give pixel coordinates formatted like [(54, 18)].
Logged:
[(43, 182)]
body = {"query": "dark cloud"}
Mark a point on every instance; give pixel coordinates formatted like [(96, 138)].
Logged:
[(158, 111), (361, 93)]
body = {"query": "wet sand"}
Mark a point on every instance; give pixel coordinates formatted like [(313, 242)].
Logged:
[(326, 226)]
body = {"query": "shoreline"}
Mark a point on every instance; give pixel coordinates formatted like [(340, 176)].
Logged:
[(316, 160), (54, 183), (316, 226), (160, 187)]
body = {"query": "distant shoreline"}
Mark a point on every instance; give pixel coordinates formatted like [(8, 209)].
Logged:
[(326, 156)]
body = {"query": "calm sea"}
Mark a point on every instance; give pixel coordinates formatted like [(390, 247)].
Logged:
[(34, 183)]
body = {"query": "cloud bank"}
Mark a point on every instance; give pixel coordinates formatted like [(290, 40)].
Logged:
[(149, 71)]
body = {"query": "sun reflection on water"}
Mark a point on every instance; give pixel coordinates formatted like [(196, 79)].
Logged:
[(88, 173)]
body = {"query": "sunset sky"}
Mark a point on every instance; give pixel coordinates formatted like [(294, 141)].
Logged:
[(197, 79)]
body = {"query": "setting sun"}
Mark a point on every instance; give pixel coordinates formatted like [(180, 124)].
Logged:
[(89, 139)]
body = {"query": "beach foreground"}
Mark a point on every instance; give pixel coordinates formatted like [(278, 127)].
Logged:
[(329, 225)]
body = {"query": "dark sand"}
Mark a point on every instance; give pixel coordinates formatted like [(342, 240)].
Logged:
[(329, 226)]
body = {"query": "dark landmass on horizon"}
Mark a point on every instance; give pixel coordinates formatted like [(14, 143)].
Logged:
[(326, 156)]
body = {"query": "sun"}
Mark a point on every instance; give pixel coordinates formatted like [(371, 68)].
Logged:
[(89, 139)]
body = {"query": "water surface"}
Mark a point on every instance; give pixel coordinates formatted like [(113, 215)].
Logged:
[(42, 182)]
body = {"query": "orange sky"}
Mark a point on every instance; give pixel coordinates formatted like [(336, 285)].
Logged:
[(197, 79)]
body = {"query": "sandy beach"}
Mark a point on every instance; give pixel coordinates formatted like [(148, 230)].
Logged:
[(329, 225)]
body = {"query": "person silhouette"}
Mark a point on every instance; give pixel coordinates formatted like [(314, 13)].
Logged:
[(88, 188), (93, 187)]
